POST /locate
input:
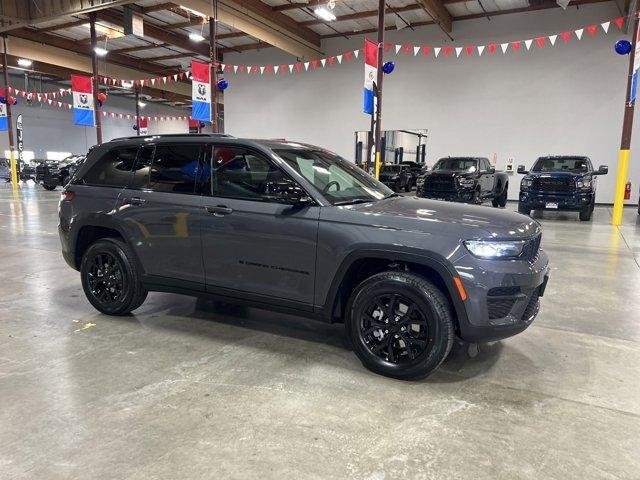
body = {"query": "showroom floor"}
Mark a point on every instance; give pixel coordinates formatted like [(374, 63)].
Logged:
[(184, 390)]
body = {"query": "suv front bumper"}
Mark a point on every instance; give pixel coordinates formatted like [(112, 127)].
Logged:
[(503, 295), (461, 195), (540, 201)]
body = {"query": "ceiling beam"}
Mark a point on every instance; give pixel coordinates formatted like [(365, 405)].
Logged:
[(62, 26), (439, 13), (365, 14), (168, 57), (188, 23), (244, 48), (151, 46)]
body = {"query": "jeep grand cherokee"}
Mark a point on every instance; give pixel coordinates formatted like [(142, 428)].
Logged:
[(294, 228)]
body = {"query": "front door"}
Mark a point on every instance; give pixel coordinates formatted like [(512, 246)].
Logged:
[(162, 212), (251, 243)]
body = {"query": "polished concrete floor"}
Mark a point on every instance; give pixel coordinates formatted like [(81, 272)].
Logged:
[(184, 390)]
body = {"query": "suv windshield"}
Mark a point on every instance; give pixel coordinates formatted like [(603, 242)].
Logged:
[(457, 164), (390, 169), (339, 181), (564, 164)]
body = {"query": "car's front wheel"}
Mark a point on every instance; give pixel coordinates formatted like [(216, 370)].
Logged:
[(110, 278), (400, 325)]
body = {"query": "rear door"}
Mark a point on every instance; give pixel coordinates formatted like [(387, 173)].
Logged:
[(486, 181), (161, 212), (252, 243)]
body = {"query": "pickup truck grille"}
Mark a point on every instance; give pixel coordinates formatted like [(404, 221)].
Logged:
[(560, 185), (439, 183)]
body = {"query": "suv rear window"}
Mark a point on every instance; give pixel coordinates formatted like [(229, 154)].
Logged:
[(113, 169)]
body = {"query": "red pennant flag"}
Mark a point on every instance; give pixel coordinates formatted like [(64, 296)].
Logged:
[(283, 69), (298, 67), (447, 51), (566, 36), (492, 48), (470, 49), (619, 22), (540, 41), (331, 60), (241, 68), (426, 50), (347, 55), (269, 69), (314, 63), (181, 75), (387, 47), (516, 46), (406, 49), (592, 30)]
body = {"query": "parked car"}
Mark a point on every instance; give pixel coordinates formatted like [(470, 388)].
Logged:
[(565, 182), (294, 228), (27, 169), (5, 169), (416, 170), (465, 179), (51, 173), (397, 177)]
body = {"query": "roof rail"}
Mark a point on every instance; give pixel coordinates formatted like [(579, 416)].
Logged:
[(170, 135)]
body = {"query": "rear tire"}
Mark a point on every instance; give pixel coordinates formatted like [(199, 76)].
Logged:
[(110, 278), (407, 187), (524, 210), (400, 325)]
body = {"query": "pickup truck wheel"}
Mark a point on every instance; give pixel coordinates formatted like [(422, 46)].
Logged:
[(400, 325), (407, 187), (110, 279), (524, 210), (585, 214), (502, 201)]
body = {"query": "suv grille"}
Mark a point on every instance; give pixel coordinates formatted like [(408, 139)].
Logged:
[(561, 185), (440, 183), (532, 306), (532, 248), (500, 301)]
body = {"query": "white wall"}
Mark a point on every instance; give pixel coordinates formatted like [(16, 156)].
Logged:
[(566, 99), (48, 128)]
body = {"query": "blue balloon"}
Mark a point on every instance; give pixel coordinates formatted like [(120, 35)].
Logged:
[(623, 47), (223, 84), (388, 67), (202, 124), (3, 100)]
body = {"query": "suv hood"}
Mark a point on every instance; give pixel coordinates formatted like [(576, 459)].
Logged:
[(425, 215)]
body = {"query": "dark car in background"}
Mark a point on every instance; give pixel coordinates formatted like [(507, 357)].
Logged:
[(416, 170), (27, 169), (51, 173), (465, 179), (5, 169), (562, 182), (397, 177)]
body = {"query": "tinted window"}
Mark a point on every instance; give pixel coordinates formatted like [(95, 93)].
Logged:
[(113, 169), (175, 168), (142, 168), (457, 164), (560, 164)]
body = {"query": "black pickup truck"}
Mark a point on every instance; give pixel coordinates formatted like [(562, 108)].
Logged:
[(465, 179)]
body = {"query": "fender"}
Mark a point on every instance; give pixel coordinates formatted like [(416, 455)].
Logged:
[(436, 262)]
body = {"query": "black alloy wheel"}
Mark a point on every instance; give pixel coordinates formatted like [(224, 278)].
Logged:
[(106, 278), (400, 324)]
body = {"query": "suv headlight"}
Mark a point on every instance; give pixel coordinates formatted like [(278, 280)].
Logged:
[(583, 184), (466, 182), (526, 183), (489, 249)]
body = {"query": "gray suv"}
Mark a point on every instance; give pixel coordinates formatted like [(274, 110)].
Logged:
[(295, 228)]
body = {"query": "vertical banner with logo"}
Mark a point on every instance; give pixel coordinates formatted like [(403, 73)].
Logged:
[(201, 91), (143, 125), (636, 66), (83, 108), (194, 126), (20, 138), (4, 123), (370, 72)]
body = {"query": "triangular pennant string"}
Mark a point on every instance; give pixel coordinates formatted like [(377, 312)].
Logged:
[(504, 47), (552, 39), (527, 43), (480, 50), (605, 26)]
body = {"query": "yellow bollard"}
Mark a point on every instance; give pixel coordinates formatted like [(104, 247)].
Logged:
[(377, 165), (618, 203)]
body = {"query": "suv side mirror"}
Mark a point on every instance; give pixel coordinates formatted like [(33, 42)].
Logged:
[(492, 169), (288, 193), (602, 170), (522, 170)]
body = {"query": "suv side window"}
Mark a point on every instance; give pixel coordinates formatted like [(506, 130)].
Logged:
[(175, 168), (237, 172), (113, 169), (142, 169)]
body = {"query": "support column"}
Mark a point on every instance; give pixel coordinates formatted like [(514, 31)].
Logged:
[(213, 55), (378, 107), (137, 110), (96, 85), (12, 153)]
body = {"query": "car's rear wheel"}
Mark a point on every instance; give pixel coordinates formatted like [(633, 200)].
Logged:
[(400, 325), (501, 200), (524, 210), (110, 278), (408, 186)]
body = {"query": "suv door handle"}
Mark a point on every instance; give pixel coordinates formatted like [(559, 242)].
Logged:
[(135, 201), (218, 210)]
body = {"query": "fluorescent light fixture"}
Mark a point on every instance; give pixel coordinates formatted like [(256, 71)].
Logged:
[(325, 14), (101, 52), (195, 37), (141, 104), (58, 155), (25, 62)]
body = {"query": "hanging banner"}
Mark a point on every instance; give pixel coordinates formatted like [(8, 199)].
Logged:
[(143, 125), (636, 66), (83, 108), (194, 126), (201, 91), (4, 123), (20, 138), (370, 72)]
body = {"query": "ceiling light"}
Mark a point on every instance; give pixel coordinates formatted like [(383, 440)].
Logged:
[(142, 104), (195, 37), (101, 52), (325, 14), (24, 62)]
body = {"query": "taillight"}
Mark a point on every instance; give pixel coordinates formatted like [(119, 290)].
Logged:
[(68, 195)]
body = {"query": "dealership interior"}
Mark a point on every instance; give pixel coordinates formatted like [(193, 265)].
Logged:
[(320, 239)]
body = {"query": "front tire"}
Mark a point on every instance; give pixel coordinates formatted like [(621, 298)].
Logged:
[(400, 325), (585, 215), (524, 210), (49, 187), (110, 278)]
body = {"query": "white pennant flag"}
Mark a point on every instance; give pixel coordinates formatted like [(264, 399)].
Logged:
[(552, 39), (480, 50), (50, 101), (235, 69), (290, 68), (527, 43), (339, 57), (458, 51), (276, 68), (415, 51), (153, 81), (249, 68), (323, 62), (306, 65), (175, 77), (261, 70), (504, 47), (579, 33), (222, 65), (436, 51), (605, 26), (398, 47), (356, 53)]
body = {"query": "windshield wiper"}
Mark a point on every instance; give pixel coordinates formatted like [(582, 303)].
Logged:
[(353, 201)]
